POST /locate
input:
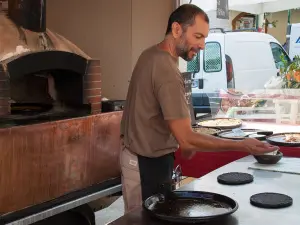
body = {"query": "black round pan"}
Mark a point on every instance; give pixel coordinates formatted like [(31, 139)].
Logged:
[(279, 140), (190, 206)]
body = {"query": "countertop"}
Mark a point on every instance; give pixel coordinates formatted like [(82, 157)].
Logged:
[(246, 214)]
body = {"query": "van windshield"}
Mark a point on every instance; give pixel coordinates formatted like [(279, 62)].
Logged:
[(279, 55)]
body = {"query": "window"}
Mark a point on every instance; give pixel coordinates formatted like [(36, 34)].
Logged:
[(194, 65), (278, 53), (212, 57)]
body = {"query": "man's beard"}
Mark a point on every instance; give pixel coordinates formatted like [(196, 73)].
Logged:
[(183, 50)]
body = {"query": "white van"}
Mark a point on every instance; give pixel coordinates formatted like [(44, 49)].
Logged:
[(293, 40), (239, 60)]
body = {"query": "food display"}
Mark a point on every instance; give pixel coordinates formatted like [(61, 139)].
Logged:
[(221, 123), (234, 92)]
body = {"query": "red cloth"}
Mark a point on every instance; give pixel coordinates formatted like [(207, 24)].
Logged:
[(205, 162)]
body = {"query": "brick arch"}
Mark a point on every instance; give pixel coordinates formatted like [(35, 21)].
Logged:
[(77, 79), (239, 16)]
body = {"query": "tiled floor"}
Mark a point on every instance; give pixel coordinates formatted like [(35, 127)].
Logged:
[(111, 213)]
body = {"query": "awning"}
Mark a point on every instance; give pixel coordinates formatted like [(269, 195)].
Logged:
[(263, 6), (250, 6)]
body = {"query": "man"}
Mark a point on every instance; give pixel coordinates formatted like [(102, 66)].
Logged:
[(156, 119)]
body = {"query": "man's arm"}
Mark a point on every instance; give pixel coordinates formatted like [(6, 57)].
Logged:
[(190, 141)]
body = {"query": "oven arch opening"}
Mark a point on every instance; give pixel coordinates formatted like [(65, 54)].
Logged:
[(51, 83), (46, 60)]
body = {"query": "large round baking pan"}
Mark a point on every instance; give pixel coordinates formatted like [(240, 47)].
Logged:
[(190, 206), (229, 134), (206, 130), (231, 123), (279, 140)]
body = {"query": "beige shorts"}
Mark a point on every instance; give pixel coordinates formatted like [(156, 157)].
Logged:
[(131, 182)]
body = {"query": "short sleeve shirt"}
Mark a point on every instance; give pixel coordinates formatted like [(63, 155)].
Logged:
[(156, 94)]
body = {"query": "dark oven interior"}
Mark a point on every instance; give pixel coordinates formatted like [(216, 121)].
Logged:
[(48, 86), (54, 91)]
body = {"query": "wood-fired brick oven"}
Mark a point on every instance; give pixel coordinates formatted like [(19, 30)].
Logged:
[(47, 156), (42, 71)]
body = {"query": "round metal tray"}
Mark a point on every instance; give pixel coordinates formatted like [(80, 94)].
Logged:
[(190, 206), (239, 123), (229, 134), (211, 131), (279, 140)]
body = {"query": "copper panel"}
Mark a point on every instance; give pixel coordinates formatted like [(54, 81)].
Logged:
[(106, 130), (44, 161)]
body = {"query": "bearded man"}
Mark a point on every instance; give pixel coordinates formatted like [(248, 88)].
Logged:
[(156, 118)]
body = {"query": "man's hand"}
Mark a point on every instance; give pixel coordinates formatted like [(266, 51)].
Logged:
[(255, 147)]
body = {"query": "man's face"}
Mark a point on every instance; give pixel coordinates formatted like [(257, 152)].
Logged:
[(191, 40)]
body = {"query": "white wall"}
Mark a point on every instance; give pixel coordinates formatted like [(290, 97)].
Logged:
[(279, 32), (149, 23), (214, 22), (115, 31)]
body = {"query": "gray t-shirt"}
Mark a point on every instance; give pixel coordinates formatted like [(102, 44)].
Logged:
[(156, 94)]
